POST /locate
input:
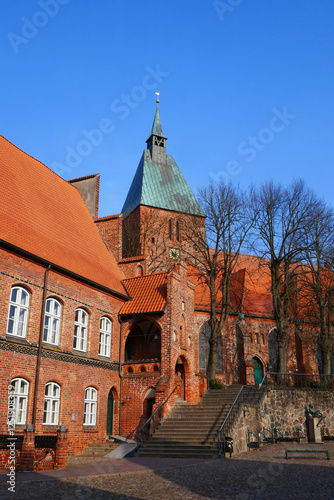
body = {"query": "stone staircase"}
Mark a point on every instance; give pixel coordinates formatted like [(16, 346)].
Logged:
[(190, 431), (99, 449)]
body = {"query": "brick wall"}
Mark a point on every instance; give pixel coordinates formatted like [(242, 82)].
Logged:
[(73, 370)]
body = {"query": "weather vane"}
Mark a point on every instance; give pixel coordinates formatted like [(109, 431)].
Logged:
[(157, 94)]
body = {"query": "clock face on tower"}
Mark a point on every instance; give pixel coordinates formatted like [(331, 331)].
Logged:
[(174, 253)]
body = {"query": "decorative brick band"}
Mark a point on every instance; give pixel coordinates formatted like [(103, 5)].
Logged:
[(59, 356)]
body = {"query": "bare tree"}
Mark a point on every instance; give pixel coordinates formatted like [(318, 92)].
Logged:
[(282, 214), (316, 284), (213, 254)]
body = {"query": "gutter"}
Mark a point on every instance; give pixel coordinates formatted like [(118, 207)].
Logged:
[(60, 269), (120, 375), (39, 352)]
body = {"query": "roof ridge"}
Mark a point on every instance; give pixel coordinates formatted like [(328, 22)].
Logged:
[(35, 159), (146, 276)]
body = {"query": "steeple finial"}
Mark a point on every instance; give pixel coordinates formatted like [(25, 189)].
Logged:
[(158, 100), (156, 127)]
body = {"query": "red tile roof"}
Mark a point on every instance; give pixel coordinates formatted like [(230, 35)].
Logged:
[(149, 294), (250, 288), (45, 215)]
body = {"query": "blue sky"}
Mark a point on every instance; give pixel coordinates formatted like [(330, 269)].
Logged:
[(246, 88)]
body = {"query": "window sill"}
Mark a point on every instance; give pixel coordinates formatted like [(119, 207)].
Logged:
[(52, 347), (77, 352), (17, 339), (104, 358)]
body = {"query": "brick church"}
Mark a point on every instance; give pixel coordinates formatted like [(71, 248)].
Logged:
[(100, 317)]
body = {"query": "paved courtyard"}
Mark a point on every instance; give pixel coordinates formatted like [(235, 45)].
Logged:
[(261, 474)]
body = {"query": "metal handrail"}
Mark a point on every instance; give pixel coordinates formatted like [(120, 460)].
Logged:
[(226, 420), (239, 400), (148, 429), (301, 381)]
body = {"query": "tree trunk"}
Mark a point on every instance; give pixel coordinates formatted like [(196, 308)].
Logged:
[(282, 356), (326, 361), (213, 355)]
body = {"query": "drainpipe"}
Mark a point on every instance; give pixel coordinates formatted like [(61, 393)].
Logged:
[(39, 353), (120, 375)]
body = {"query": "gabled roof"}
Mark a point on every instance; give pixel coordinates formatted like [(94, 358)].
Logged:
[(250, 288), (202, 292), (149, 294), (160, 185), (44, 215)]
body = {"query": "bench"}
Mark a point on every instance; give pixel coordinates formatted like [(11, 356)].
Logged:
[(306, 451)]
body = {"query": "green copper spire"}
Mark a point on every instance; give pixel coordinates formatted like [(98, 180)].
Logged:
[(156, 127), (158, 181)]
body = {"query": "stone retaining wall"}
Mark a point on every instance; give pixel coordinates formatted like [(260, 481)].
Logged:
[(285, 410)]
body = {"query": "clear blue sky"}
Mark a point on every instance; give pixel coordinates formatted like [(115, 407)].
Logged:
[(246, 88)]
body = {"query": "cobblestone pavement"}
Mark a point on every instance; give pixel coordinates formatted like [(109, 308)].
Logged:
[(262, 474)]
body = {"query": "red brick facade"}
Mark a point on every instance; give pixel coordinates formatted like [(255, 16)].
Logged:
[(153, 350)]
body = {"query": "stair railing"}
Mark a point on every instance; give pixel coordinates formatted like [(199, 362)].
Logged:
[(229, 420), (151, 424), (244, 397)]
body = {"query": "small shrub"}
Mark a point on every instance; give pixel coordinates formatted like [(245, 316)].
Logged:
[(216, 384)]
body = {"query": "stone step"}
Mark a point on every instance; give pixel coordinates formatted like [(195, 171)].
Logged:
[(177, 444), (98, 449), (177, 454)]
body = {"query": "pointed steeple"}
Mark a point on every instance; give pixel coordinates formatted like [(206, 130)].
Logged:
[(156, 127), (158, 181), (156, 143)]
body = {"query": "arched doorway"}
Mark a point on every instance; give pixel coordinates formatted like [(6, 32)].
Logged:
[(258, 371), (148, 403), (180, 377), (110, 413)]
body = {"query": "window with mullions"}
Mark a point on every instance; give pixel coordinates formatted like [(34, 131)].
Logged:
[(105, 337), (52, 321), (18, 312), (90, 406), (80, 330), (51, 404), (204, 349), (20, 394)]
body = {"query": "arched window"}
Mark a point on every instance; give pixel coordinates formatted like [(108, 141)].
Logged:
[(273, 351), (170, 229), (18, 312), (105, 337), (51, 404), (204, 349), (19, 393), (90, 406), (177, 230), (80, 330), (52, 321)]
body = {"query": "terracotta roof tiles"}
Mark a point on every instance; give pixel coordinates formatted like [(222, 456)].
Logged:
[(149, 294), (45, 215)]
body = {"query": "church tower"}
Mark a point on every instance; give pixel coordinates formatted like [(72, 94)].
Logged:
[(157, 205)]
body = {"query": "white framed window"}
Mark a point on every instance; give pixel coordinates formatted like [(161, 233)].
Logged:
[(105, 337), (52, 321), (51, 404), (80, 330), (18, 312), (20, 394), (90, 406)]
